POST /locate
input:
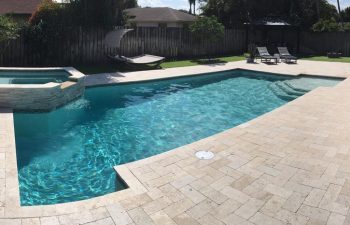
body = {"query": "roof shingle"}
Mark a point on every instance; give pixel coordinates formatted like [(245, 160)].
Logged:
[(18, 6), (158, 14)]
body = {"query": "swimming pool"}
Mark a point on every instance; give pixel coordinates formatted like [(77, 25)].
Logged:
[(32, 77), (68, 154)]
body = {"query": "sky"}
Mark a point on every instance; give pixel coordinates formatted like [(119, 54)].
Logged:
[(183, 4), (343, 3), (176, 4)]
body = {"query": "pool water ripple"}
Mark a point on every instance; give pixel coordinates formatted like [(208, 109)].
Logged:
[(68, 154)]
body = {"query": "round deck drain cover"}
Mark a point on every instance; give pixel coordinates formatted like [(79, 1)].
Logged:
[(205, 155)]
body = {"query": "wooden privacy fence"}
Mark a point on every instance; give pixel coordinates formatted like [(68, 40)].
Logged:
[(321, 43), (83, 47)]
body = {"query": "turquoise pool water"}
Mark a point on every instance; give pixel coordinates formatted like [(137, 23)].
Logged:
[(32, 77), (68, 154)]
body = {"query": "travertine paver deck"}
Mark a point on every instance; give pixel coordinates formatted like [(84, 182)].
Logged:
[(290, 166), (303, 67)]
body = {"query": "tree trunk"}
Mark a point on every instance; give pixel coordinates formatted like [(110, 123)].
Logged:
[(317, 2), (190, 8), (194, 7), (340, 15)]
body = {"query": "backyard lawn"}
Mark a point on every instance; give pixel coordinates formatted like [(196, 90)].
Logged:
[(326, 59), (194, 62)]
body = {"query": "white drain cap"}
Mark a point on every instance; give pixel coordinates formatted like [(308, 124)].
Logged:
[(205, 155)]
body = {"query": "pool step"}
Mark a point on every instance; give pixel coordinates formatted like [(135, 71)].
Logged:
[(306, 84), (279, 92), (293, 86), (290, 90)]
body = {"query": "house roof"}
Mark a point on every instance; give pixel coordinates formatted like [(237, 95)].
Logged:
[(158, 14), (18, 6)]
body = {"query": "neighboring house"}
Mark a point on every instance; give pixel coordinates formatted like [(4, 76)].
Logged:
[(19, 9), (158, 17)]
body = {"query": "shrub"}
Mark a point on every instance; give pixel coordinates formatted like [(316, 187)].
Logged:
[(49, 23), (326, 26), (82, 13), (251, 50), (347, 27), (8, 29), (208, 27), (49, 13)]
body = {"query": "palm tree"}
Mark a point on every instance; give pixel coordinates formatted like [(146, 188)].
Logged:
[(192, 2), (317, 2), (340, 14), (194, 7)]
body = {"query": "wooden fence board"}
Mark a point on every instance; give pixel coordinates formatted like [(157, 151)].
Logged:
[(321, 43), (87, 46)]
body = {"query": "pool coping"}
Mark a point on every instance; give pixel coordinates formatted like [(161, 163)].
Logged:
[(104, 79), (341, 78), (75, 75), (12, 209)]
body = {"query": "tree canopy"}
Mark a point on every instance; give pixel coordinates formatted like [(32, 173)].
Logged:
[(208, 28), (299, 12), (8, 29), (84, 13), (346, 14), (51, 21)]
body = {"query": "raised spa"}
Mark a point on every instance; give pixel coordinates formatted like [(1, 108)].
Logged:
[(68, 154), (39, 89)]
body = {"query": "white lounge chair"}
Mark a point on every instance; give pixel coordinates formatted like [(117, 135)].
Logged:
[(139, 60), (113, 40)]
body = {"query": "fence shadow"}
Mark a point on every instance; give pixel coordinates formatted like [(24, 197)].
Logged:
[(209, 61)]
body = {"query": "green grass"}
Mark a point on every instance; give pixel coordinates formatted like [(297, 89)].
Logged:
[(111, 67), (195, 62), (326, 59)]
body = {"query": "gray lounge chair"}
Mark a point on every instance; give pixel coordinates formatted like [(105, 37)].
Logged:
[(139, 60), (265, 56), (286, 56)]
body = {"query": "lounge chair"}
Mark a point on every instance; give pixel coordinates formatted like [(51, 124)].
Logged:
[(113, 40), (265, 56), (139, 60), (286, 56)]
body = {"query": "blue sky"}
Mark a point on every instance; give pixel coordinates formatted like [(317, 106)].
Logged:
[(183, 4), (343, 3)]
